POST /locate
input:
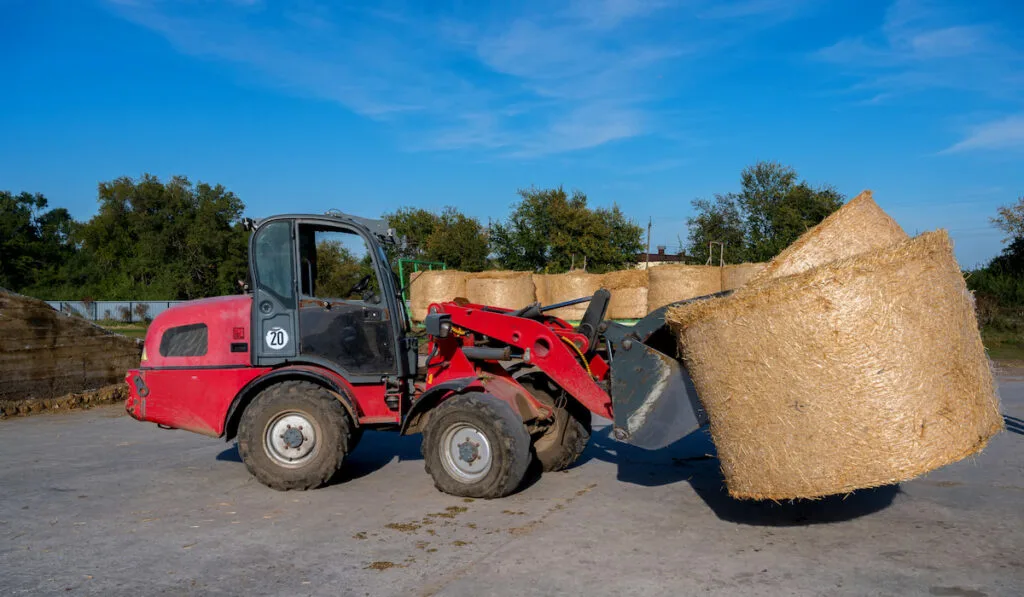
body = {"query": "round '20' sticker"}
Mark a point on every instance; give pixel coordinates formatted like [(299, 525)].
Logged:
[(277, 338)]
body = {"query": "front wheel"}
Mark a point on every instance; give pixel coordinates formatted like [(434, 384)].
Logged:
[(475, 445), (294, 435), (563, 442)]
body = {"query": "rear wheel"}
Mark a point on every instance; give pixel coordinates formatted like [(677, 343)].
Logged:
[(562, 443), (475, 445), (294, 435)]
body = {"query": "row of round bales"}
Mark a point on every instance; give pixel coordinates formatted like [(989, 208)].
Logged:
[(634, 293)]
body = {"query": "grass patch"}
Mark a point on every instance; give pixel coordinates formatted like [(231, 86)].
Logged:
[(1003, 345), (1002, 330), (132, 330)]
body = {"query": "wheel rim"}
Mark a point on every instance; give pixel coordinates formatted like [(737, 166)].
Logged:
[(290, 439), (465, 453)]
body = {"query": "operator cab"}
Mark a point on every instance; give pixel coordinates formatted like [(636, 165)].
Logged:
[(324, 294)]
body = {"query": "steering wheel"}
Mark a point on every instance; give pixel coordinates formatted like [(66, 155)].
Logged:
[(360, 286)]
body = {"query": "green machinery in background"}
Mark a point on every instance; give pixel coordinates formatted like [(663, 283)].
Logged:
[(406, 268)]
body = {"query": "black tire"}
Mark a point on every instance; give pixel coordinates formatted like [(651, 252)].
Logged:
[(332, 435), (564, 440), (507, 439)]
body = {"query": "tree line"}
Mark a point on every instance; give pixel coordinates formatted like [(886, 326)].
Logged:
[(999, 285), (155, 240)]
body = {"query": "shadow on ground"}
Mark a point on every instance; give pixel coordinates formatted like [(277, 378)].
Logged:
[(693, 460), (1014, 424), (375, 450)]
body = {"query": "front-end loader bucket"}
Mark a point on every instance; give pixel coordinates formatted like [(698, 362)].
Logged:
[(653, 398)]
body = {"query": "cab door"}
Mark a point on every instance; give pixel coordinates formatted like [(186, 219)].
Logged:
[(274, 311), (344, 319)]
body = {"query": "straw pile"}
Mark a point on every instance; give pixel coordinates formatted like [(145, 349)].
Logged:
[(862, 372), (671, 283), (434, 286), (858, 226), (629, 293), (512, 290), (565, 287), (734, 276), (45, 354)]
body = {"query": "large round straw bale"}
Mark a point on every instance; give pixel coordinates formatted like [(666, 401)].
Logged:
[(862, 372), (565, 287), (734, 276), (671, 283), (434, 286), (512, 290), (629, 293), (856, 227)]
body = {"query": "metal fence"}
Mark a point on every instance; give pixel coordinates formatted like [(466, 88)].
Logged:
[(122, 311)]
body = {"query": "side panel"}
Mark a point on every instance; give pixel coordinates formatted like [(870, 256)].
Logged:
[(193, 399), (227, 320)]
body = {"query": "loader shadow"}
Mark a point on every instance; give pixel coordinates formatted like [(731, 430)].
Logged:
[(693, 459), (1014, 424), (375, 451)]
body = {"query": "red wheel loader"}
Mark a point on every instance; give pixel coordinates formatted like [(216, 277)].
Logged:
[(320, 349)]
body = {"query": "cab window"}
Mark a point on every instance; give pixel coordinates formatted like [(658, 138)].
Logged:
[(274, 259), (336, 264)]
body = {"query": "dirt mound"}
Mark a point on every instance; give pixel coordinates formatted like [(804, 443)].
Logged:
[(111, 394), (45, 354)]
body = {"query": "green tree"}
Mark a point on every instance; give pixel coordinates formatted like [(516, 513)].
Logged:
[(415, 225), (156, 240), (718, 221), (34, 241), (337, 270), (450, 237), (549, 230), (459, 241), (771, 211), (1010, 220)]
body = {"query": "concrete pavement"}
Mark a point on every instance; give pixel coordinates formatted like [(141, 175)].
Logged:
[(96, 503)]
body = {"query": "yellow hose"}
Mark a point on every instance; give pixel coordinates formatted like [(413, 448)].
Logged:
[(579, 352)]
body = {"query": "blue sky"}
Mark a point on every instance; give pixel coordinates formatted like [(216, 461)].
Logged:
[(309, 105)]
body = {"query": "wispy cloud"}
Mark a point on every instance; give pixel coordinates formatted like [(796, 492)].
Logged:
[(515, 80), (923, 45), (1006, 133), (926, 47)]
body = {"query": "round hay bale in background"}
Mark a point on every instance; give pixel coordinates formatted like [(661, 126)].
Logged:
[(629, 293), (854, 228), (565, 287), (862, 372), (540, 288), (671, 283), (434, 286), (734, 276), (512, 290)]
